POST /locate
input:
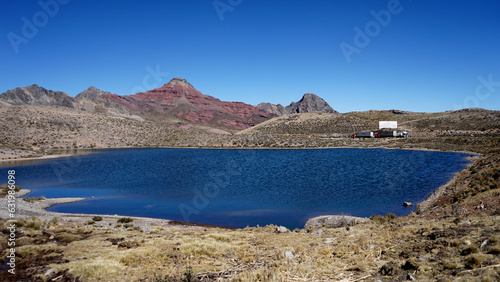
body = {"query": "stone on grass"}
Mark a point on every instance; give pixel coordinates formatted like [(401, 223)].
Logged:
[(281, 229), (334, 221)]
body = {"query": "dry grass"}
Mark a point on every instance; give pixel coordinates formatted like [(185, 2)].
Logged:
[(426, 248)]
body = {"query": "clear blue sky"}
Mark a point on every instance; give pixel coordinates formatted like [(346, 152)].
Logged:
[(427, 57)]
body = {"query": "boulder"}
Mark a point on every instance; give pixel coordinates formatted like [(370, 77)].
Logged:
[(281, 229), (334, 221)]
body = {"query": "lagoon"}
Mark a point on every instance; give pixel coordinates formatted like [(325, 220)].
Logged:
[(241, 187)]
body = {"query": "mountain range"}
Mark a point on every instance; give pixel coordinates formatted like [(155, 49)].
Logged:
[(177, 103)]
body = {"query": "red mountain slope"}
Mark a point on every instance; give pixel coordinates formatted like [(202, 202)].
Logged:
[(179, 99)]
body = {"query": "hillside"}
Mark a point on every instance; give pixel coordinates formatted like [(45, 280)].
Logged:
[(421, 124), (40, 130)]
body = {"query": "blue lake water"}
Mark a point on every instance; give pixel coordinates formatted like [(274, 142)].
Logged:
[(240, 188)]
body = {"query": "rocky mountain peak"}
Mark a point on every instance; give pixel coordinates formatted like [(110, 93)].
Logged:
[(36, 95), (310, 102), (179, 81), (90, 93), (310, 96)]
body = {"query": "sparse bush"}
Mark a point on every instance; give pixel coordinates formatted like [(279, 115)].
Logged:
[(468, 250), (4, 189), (188, 276), (390, 216), (378, 218), (89, 222), (449, 264), (495, 250), (474, 261), (33, 199), (33, 223), (97, 218), (54, 221), (125, 220)]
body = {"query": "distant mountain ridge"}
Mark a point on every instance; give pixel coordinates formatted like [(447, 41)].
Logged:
[(309, 103), (36, 95), (177, 102)]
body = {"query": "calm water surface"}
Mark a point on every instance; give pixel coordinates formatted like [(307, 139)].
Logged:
[(241, 188)]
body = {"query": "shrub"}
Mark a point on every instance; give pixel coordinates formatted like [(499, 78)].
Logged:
[(473, 261), (125, 220), (468, 250), (33, 199), (33, 223), (4, 189), (495, 250), (65, 237), (390, 216), (97, 218), (378, 218)]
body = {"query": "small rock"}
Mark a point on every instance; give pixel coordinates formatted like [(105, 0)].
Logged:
[(349, 228), (281, 229), (48, 233), (370, 247), (51, 273), (318, 231), (334, 221), (289, 255), (127, 245), (466, 222), (407, 204), (484, 243), (410, 264), (329, 240), (410, 277), (115, 241), (388, 269)]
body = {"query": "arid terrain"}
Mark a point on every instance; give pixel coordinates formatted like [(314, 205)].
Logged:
[(453, 236), (30, 131)]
